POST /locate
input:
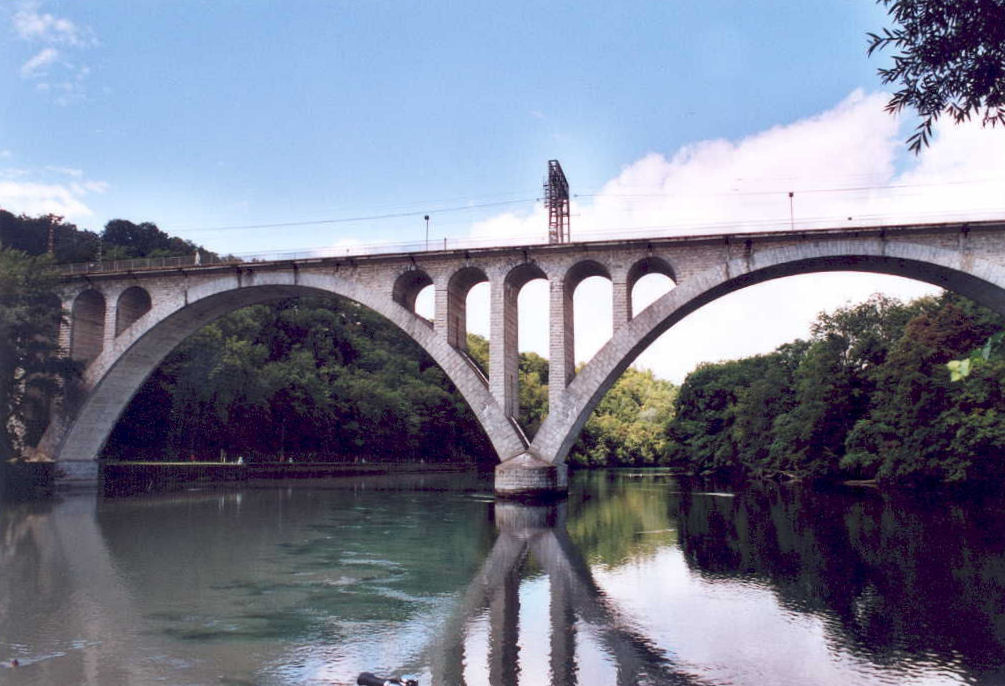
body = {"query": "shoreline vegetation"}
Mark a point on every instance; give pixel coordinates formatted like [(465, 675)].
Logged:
[(883, 393)]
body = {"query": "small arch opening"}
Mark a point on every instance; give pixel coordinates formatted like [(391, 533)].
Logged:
[(527, 315), (593, 318), (468, 318), (87, 332), (425, 303), (478, 305), (648, 279), (649, 289), (458, 291), (407, 289), (582, 271), (132, 304)]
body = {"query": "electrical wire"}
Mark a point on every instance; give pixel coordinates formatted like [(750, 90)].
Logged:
[(797, 191), (732, 226), (372, 217)]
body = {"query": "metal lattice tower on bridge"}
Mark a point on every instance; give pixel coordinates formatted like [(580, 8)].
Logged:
[(556, 199)]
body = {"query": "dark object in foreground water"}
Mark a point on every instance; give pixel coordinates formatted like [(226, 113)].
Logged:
[(367, 679)]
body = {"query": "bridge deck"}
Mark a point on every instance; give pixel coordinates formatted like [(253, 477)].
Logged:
[(462, 248)]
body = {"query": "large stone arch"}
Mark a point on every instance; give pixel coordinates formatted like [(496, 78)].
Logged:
[(116, 374), (977, 279)]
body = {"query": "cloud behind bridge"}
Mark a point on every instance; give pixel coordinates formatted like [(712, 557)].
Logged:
[(845, 167)]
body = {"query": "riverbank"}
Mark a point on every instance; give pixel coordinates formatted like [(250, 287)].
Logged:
[(131, 478)]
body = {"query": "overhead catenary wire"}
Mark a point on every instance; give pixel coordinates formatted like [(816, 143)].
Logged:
[(779, 192), (362, 218), (428, 209)]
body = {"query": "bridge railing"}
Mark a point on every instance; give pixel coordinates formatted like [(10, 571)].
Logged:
[(348, 250), (142, 263), (711, 231)]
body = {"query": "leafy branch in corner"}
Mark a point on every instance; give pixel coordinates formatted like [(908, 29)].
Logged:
[(949, 58)]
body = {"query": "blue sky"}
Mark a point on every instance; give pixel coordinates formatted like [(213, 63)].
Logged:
[(203, 114), (679, 116)]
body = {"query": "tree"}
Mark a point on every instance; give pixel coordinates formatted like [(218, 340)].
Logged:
[(950, 60), (30, 369), (128, 240), (629, 425)]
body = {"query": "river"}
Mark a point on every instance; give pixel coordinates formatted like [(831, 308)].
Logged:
[(632, 580)]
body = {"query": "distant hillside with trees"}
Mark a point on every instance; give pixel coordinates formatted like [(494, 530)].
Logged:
[(121, 239)]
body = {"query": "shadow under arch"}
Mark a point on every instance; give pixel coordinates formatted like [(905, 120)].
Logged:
[(112, 379), (980, 280)]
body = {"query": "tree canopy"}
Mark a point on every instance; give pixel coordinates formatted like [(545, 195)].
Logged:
[(869, 396), (30, 367), (949, 58)]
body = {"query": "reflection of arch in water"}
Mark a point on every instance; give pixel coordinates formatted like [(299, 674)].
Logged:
[(540, 531)]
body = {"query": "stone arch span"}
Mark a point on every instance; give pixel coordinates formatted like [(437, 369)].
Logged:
[(975, 278), (116, 374)]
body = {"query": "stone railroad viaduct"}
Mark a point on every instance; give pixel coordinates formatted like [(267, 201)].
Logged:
[(122, 320)]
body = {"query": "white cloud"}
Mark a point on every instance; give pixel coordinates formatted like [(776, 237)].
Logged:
[(93, 187), (42, 198), (34, 192), (68, 171), (840, 165), (53, 74), (31, 24), (39, 64)]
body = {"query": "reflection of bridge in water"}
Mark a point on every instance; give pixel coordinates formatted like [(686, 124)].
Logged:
[(123, 322), (539, 531)]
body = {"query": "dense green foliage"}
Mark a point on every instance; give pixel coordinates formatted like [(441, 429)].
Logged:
[(629, 425), (307, 378), (869, 396), (121, 239), (30, 371)]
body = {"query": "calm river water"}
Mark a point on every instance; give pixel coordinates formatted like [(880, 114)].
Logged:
[(631, 581)]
